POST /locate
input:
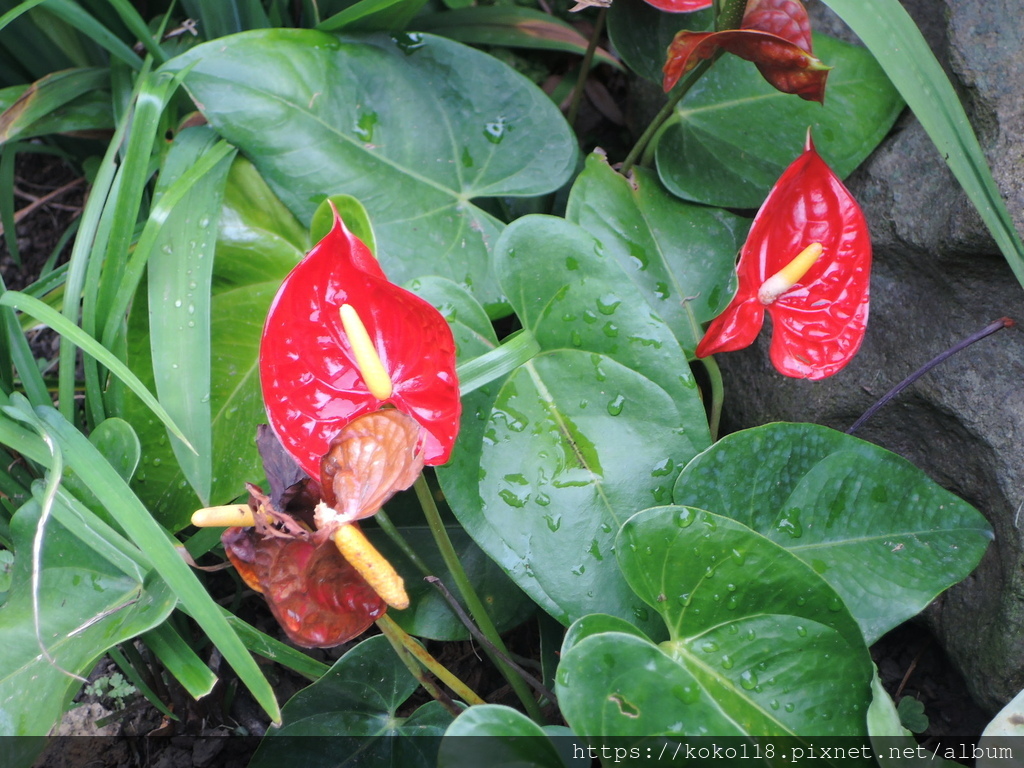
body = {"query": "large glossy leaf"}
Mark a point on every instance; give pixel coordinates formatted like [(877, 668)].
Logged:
[(554, 459), (682, 257), (511, 740), (258, 242), (734, 134), (885, 536), (760, 644), (354, 707), (86, 605), (415, 127)]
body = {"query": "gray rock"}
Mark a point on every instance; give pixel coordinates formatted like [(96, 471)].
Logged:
[(938, 277)]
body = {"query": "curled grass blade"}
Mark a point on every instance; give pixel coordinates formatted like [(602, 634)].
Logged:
[(72, 333)]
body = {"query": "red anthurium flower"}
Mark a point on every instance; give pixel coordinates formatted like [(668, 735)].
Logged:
[(807, 261), (340, 341), (774, 34), (316, 596), (680, 6)]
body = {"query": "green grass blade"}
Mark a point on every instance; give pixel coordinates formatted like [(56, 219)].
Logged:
[(891, 35), (138, 27), (80, 19), (180, 259), (17, 11), (474, 373), (78, 281), (180, 660), (72, 333), (139, 525)]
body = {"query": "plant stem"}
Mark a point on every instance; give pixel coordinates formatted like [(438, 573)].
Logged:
[(476, 606), (988, 330), (675, 96), (404, 653), (482, 639), (396, 634), (588, 58), (717, 394)]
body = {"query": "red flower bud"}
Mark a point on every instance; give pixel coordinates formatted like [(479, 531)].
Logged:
[(774, 34)]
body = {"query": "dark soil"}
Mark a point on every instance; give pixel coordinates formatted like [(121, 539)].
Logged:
[(223, 728)]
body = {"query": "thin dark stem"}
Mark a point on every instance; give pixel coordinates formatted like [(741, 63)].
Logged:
[(588, 58), (988, 330), (482, 639)]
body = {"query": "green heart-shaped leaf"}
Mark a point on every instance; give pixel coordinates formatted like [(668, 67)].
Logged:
[(760, 644), (734, 134), (415, 127), (886, 537), (86, 605), (554, 458), (682, 257), (355, 706)]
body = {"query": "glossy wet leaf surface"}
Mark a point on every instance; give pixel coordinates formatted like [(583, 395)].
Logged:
[(680, 256), (551, 461), (509, 738), (349, 717), (735, 134), (87, 604), (414, 127), (759, 643), (885, 536)]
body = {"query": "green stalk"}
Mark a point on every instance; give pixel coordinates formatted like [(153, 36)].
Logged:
[(717, 394), (476, 606), (675, 96), (588, 58), (413, 651)]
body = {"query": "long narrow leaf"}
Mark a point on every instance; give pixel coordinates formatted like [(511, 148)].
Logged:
[(72, 333), (891, 35), (180, 660), (78, 18), (78, 264), (180, 262), (142, 529)]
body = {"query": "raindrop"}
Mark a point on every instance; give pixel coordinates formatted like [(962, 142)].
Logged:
[(709, 646), (571, 263), (727, 662), (608, 303), (687, 694), (204, 222), (685, 517), (663, 468), (167, 249), (157, 462), (511, 499), (790, 523), (554, 522), (177, 302), (685, 599), (542, 499), (595, 550), (801, 630), (577, 340), (579, 570), (615, 406), (610, 330), (494, 131), (789, 707), (748, 680)]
